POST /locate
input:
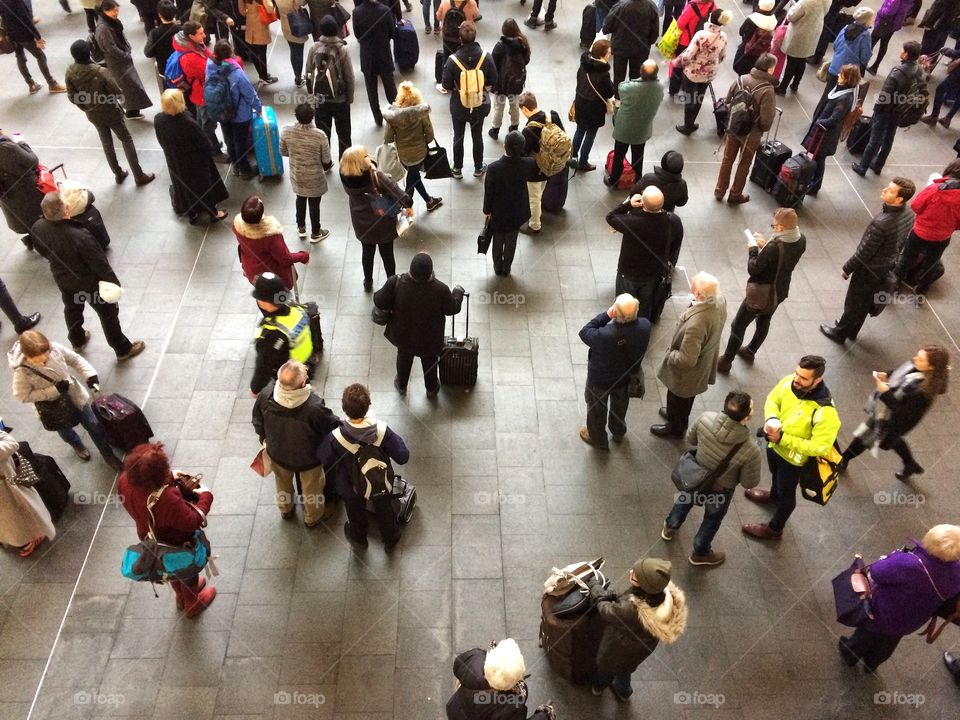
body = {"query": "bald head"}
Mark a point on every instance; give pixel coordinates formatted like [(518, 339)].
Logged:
[(704, 286), (649, 69), (652, 199), (625, 308), (292, 375)]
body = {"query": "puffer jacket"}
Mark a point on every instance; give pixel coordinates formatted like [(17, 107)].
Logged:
[(634, 27), (809, 421), (881, 242), (702, 59), (938, 210), (410, 129), (594, 88), (28, 387), (332, 46), (892, 15), (715, 434), (262, 249), (511, 57), (293, 424), (308, 148), (896, 86), (668, 177), (852, 47)]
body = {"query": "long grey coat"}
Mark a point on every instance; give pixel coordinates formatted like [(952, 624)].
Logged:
[(309, 151), (690, 365), (28, 387), (806, 24), (23, 515), (120, 65)]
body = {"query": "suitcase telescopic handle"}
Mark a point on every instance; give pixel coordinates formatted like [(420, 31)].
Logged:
[(776, 130), (453, 321)]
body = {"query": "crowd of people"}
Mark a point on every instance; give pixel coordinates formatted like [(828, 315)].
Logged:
[(331, 459)]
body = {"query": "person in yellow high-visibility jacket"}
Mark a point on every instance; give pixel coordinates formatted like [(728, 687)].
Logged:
[(283, 333)]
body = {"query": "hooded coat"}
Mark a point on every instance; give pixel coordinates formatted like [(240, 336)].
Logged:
[(193, 63), (639, 102), (690, 365), (938, 210), (370, 227), (119, 60), (196, 184), (308, 148), (594, 88), (763, 22), (667, 177), (331, 45), (419, 312), (475, 699), (839, 102), (293, 424), (30, 388), (20, 197), (511, 56), (804, 28), (93, 89), (23, 516), (411, 130), (262, 249), (714, 434), (852, 46)]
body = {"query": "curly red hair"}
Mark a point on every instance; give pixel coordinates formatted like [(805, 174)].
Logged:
[(147, 466)]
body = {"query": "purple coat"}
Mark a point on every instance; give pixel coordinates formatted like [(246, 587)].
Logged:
[(904, 598), (894, 12)]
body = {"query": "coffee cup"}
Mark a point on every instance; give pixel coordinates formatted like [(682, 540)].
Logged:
[(772, 426)]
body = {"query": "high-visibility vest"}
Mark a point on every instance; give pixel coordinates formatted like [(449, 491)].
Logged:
[(295, 325)]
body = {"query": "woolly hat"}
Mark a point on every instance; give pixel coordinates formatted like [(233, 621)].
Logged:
[(652, 575), (504, 667), (672, 161), (328, 26), (864, 15), (53, 208), (765, 6), (721, 17), (421, 267), (80, 50)]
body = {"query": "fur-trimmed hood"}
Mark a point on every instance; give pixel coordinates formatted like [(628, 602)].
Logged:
[(668, 621), (763, 20), (267, 227), (405, 117)]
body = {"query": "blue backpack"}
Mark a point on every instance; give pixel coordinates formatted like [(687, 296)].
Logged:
[(173, 76), (217, 97)]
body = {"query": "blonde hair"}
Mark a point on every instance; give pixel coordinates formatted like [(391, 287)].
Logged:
[(943, 542), (355, 161), (503, 667), (172, 102), (33, 343), (408, 95)]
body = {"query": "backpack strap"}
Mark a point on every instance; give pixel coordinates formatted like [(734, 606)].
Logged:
[(354, 448)]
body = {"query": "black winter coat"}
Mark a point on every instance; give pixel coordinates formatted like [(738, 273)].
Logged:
[(672, 185), (905, 412), (19, 196), (762, 264), (196, 182), (476, 700), (594, 86), (511, 57), (17, 18), (650, 241), (292, 434), (374, 26), (420, 312), (469, 56), (369, 227), (160, 44), (823, 137), (881, 242), (634, 26), (896, 85), (942, 15), (505, 195), (615, 349), (77, 260)]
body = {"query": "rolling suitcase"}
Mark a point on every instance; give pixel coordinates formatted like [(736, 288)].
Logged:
[(588, 25), (770, 158), (406, 47), (796, 174), (555, 193), (266, 143), (460, 359), (402, 501), (721, 113), (859, 136), (52, 486), (123, 423), (571, 643)]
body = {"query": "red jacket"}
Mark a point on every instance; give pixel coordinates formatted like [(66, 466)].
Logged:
[(193, 62), (175, 521), (688, 20), (938, 212), (263, 249)]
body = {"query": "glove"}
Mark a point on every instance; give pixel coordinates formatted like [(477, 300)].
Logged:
[(63, 386), (92, 382), (547, 709)]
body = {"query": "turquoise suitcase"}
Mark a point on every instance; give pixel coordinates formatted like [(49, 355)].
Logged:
[(266, 143)]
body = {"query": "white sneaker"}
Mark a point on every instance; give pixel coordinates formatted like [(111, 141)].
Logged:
[(442, 90)]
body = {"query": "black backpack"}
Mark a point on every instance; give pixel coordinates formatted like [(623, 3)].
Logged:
[(328, 81), (372, 472), (744, 110), (913, 105), (451, 23)]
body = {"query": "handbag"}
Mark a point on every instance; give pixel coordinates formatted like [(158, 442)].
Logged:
[(689, 475), (381, 203), (436, 166), (26, 474), (671, 38), (485, 238), (950, 612), (59, 414), (266, 16), (563, 580), (380, 316), (300, 23), (762, 297), (388, 161), (823, 71), (820, 476), (261, 464), (7, 46), (851, 594)]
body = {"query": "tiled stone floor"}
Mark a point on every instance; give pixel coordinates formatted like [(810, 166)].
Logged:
[(506, 489)]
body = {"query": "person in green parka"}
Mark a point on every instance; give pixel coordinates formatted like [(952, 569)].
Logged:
[(633, 120)]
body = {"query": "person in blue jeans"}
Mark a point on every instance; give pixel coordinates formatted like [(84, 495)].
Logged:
[(719, 438), (246, 103), (652, 610), (427, 15)]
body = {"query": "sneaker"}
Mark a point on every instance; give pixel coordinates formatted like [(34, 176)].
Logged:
[(549, 25), (480, 170), (86, 339), (712, 558), (456, 173), (269, 80), (56, 87), (138, 347), (667, 533), (321, 234), (433, 203), (442, 90), (533, 22), (34, 87), (81, 452), (301, 232)]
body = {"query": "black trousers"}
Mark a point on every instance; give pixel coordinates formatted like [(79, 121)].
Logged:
[(370, 80), (430, 365), (620, 152), (9, 306), (861, 294), (476, 137), (109, 314), (301, 209), (786, 478), (259, 53), (678, 411), (119, 128), (899, 446), (884, 42), (621, 62), (738, 330), (504, 246), (329, 114), (871, 647), (692, 100), (538, 5), (792, 73), (386, 256), (918, 259), (20, 49)]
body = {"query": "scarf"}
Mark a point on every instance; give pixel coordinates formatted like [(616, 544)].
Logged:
[(291, 398), (787, 236), (839, 92), (116, 27)]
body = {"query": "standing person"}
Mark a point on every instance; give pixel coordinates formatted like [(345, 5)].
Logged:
[(890, 101), (889, 19), (79, 263), (93, 89), (430, 10), (283, 333), (292, 421), (466, 64), (237, 127), (633, 27), (667, 177), (756, 34), (506, 199), (671, 11), (16, 17), (410, 128), (616, 353), (375, 26), (823, 137), (760, 83), (949, 87), (262, 248), (717, 437), (511, 55), (690, 365), (90, 13), (191, 43), (164, 507), (309, 153), (21, 323), (901, 398), (24, 520), (874, 259), (294, 42), (320, 9), (700, 63), (43, 371), (20, 197), (852, 47), (652, 610), (221, 20), (160, 40), (451, 16), (330, 81), (534, 21), (418, 304), (374, 227), (196, 184), (806, 427), (937, 22), (770, 262), (833, 22), (537, 120), (692, 19), (937, 209), (592, 101), (907, 588), (805, 24), (118, 55), (257, 35)]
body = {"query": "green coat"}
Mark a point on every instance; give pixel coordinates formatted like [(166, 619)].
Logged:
[(92, 89), (639, 102)]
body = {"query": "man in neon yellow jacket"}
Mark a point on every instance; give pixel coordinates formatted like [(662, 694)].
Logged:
[(802, 423)]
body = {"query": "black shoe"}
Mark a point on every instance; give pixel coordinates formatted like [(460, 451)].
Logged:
[(27, 323), (665, 431), (121, 176), (354, 537), (846, 655), (861, 171), (913, 468), (549, 25), (27, 242), (780, 91), (832, 333), (662, 412), (686, 130), (402, 389), (512, 128), (133, 115), (494, 132), (367, 285)]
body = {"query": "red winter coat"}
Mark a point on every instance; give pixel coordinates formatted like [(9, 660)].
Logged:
[(262, 249), (193, 62), (175, 521), (688, 20), (938, 211)]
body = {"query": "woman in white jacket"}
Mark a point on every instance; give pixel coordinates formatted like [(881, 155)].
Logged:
[(24, 521), (700, 63), (803, 33)]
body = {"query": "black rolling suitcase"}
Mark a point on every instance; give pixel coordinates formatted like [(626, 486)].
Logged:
[(123, 422), (769, 159), (460, 359), (53, 487), (796, 173), (406, 47), (588, 25), (438, 62), (860, 135)]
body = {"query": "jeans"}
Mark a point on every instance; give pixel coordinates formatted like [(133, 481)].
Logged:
[(883, 128), (209, 127), (314, 203), (237, 137), (943, 89), (430, 16), (732, 146), (641, 289), (861, 294), (619, 153), (678, 411), (792, 73), (918, 259), (430, 365), (476, 137), (386, 257), (620, 63), (90, 423), (296, 59), (783, 489), (738, 330), (606, 408), (370, 81), (330, 113), (415, 182), (19, 49), (583, 138), (499, 101), (109, 313), (10, 309), (106, 133), (538, 4), (871, 647), (504, 245), (692, 100), (601, 14), (312, 484), (715, 506), (535, 191), (621, 683)]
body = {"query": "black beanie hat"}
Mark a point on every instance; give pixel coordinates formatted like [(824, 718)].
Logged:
[(328, 26), (514, 143), (421, 267), (80, 50), (672, 161)]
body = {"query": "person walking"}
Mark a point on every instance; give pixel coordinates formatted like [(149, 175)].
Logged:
[(282, 334), (949, 87), (8, 305), (506, 200), (430, 10), (852, 47), (16, 17), (309, 152), (618, 341), (195, 183), (633, 27), (159, 45), (237, 126), (375, 200), (667, 177), (20, 197), (770, 267), (190, 42), (692, 19), (756, 34), (43, 376), (719, 439), (331, 84), (639, 102), (292, 421), (375, 26), (118, 57), (690, 365), (257, 34), (537, 120), (699, 64), (93, 89), (410, 129), (262, 248), (823, 136), (295, 42), (24, 520), (901, 398), (511, 55), (760, 84), (874, 259), (592, 102), (801, 423), (804, 26), (418, 305)]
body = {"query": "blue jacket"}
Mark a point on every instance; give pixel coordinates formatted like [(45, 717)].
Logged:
[(334, 457), (242, 93), (851, 47), (609, 364)]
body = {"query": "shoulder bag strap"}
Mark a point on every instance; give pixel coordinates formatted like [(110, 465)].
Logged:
[(927, 572), (152, 499), (722, 467), (53, 380), (776, 274), (932, 631)]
